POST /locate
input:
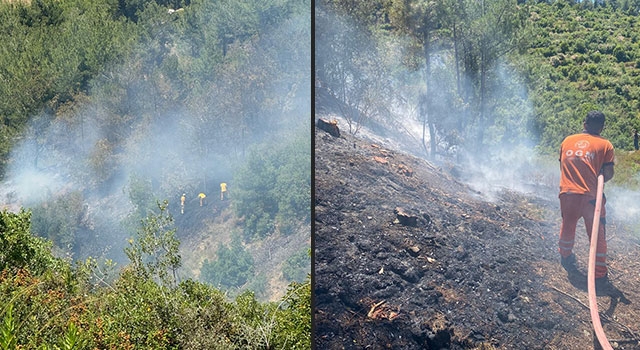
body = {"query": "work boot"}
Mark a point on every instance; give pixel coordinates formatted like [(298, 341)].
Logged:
[(569, 264)]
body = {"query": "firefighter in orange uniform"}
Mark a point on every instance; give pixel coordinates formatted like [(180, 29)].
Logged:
[(582, 158)]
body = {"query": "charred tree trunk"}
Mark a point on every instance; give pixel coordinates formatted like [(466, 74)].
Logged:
[(483, 95), (456, 59), (429, 119)]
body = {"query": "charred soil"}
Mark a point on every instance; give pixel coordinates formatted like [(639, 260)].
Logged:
[(409, 257)]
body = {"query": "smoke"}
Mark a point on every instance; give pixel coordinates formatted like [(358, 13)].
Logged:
[(622, 205), (105, 148), (506, 160)]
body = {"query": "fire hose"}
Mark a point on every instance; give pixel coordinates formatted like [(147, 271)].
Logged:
[(591, 277)]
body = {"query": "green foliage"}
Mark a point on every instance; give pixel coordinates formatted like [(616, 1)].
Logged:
[(274, 187), (597, 81), (8, 330), (51, 50), (351, 65), (136, 60), (19, 248), (72, 339), (297, 266), (293, 329), (560, 57), (205, 318), (60, 308), (154, 251), (232, 268), (59, 219), (142, 196), (139, 312), (284, 325), (627, 169)]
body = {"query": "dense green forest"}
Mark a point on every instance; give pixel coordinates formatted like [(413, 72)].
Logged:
[(49, 303), (111, 111), (483, 75)]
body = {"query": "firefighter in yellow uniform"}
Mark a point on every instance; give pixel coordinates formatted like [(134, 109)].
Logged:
[(202, 196), (223, 190), (182, 199)]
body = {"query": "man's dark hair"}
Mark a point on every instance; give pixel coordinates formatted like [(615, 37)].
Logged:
[(594, 120)]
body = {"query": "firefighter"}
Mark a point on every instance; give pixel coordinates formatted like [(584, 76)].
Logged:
[(582, 158), (182, 200), (202, 196), (223, 190)]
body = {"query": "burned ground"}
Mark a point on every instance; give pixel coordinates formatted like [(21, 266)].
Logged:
[(469, 274)]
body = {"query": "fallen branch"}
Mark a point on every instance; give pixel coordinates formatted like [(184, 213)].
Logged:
[(372, 313), (572, 297)]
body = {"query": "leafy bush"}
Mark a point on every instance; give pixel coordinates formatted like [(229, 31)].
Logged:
[(154, 251), (8, 330), (59, 220), (232, 268), (58, 309), (20, 249), (274, 187), (276, 326), (293, 328), (581, 46), (297, 266), (621, 54)]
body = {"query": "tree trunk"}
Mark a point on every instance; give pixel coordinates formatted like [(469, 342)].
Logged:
[(483, 87), (483, 96), (426, 36), (456, 60)]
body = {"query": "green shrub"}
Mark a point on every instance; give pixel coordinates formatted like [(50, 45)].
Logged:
[(59, 220), (294, 319), (154, 252), (297, 266), (274, 187), (621, 54), (8, 340), (20, 249), (581, 46), (232, 268)]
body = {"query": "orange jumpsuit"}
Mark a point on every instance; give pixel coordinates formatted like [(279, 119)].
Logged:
[(582, 157)]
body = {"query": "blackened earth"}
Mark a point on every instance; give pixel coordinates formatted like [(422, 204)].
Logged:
[(472, 273)]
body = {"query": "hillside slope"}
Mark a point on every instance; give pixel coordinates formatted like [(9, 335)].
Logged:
[(471, 274)]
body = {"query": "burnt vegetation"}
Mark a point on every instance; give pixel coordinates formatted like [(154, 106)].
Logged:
[(466, 273)]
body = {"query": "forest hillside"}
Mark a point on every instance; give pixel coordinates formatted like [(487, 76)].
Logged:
[(113, 108), (156, 180), (458, 77)]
